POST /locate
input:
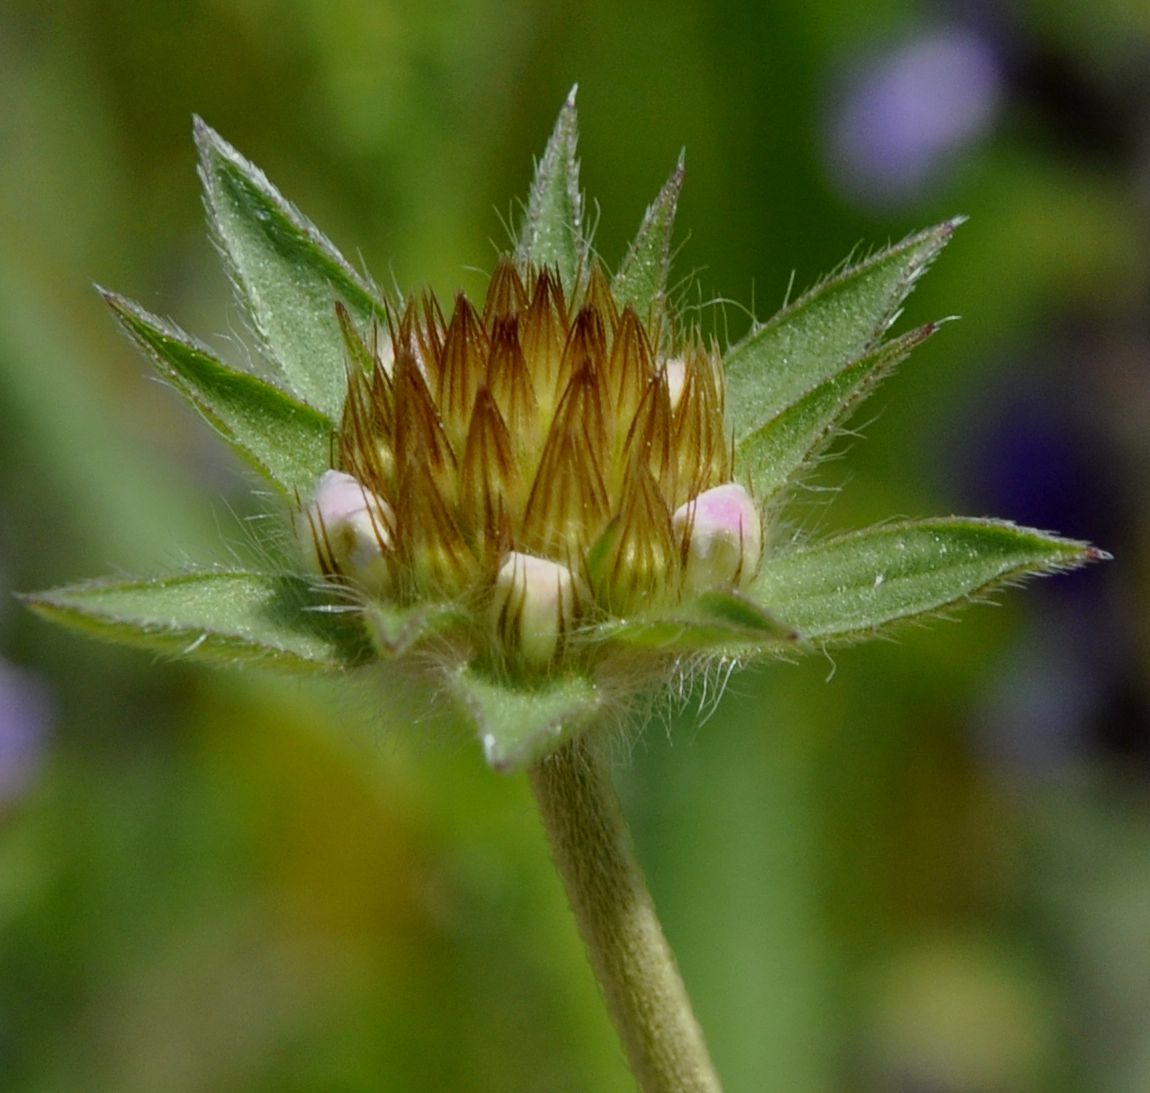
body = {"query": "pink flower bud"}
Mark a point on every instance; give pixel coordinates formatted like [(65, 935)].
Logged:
[(349, 529), (534, 606), (722, 534)]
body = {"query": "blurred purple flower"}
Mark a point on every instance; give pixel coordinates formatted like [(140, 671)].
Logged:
[(904, 115), (26, 715)]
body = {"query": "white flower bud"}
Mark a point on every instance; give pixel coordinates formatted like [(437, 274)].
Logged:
[(675, 369), (723, 532), (348, 527), (533, 607)]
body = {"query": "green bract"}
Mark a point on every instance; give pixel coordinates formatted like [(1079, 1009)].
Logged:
[(553, 504)]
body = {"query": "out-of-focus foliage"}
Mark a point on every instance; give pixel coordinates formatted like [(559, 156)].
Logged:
[(930, 870)]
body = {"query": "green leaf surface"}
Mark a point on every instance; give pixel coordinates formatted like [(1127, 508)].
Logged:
[(852, 585), (361, 356), (642, 277), (519, 725), (395, 630), (714, 620), (216, 615), (288, 275), (837, 322), (552, 230), (787, 444), (280, 436)]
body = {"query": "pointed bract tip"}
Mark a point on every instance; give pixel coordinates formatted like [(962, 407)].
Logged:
[(1097, 554), (126, 312), (916, 337), (945, 230), (210, 147), (569, 102), (934, 239), (205, 135), (120, 306)]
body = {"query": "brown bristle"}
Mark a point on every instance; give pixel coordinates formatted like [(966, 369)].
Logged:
[(600, 299), (699, 439), (432, 549), (506, 296), (569, 501), (631, 362), (357, 438), (643, 559), (509, 380), (419, 433), (361, 357), (430, 335), (630, 367), (586, 347), (649, 437), (464, 352), (542, 335), (488, 481)]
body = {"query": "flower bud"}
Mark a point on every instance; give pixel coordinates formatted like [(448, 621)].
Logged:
[(675, 369), (534, 605), (349, 529), (722, 536)]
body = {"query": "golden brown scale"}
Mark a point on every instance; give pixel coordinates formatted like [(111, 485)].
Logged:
[(490, 504), (586, 347), (630, 367), (649, 436), (643, 558), (698, 436), (542, 335), (536, 424), (461, 369), (506, 295), (569, 504), (509, 380)]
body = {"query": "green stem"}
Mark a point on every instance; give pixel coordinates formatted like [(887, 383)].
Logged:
[(592, 849)]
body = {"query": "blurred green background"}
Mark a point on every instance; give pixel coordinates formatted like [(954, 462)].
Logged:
[(924, 866)]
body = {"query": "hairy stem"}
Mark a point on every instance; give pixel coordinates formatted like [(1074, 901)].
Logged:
[(592, 849)]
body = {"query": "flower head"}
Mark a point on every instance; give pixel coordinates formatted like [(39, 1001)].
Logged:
[(551, 499), (537, 431)]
